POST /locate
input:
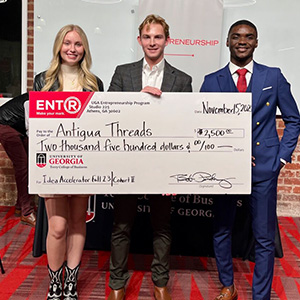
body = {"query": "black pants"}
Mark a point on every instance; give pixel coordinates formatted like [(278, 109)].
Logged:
[(125, 207)]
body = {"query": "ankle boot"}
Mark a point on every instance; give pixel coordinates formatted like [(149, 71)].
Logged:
[(70, 283), (55, 286)]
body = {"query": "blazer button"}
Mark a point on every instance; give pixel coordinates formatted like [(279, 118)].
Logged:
[(257, 123), (257, 143), (268, 103)]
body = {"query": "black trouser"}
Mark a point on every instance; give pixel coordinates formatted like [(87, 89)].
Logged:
[(125, 207)]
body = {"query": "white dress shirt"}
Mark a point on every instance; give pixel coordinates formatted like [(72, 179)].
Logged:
[(155, 76), (235, 76)]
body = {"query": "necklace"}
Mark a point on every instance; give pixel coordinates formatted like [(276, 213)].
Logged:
[(70, 78)]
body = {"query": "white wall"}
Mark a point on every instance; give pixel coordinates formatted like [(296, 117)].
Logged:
[(278, 24), (111, 26)]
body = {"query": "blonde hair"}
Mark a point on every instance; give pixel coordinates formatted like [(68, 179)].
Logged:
[(85, 77), (155, 19)]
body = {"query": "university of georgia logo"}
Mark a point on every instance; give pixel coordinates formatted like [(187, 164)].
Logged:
[(41, 160)]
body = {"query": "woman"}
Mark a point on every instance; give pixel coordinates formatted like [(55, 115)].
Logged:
[(69, 71)]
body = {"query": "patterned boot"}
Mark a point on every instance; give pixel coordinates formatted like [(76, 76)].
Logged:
[(70, 283), (55, 287)]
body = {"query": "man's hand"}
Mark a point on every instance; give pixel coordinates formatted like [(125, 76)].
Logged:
[(152, 90), (253, 159)]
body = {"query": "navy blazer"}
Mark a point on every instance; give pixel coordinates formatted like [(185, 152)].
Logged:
[(128, 78), (270, 90)]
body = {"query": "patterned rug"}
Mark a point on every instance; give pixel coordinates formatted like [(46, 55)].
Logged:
[(191, 278)]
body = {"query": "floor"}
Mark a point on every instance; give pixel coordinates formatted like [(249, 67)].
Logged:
[(191, 278)]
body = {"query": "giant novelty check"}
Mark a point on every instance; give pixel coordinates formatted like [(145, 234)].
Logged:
[(135, 143)]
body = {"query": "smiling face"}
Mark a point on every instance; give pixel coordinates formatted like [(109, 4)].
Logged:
[(153, 41), (242, 41), (72, 49)]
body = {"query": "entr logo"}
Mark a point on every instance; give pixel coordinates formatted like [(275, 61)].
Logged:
[(71, 105), (41, 160)]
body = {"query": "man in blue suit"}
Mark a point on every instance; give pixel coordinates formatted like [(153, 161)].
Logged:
[(270, 91)]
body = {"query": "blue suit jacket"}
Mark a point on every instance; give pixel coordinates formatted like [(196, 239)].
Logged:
[(269, 90)]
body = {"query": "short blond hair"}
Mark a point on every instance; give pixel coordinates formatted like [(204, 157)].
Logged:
[(155, 19)]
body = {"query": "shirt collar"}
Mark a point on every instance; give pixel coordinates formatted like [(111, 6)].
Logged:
[(156, 68), (233, 68)]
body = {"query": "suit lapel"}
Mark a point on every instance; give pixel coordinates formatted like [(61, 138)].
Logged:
[(225, 80), (258, 80), (169, 78), (136, 76)]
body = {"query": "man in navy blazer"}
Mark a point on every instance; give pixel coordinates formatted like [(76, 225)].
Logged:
[(270, 91), (154, 75)]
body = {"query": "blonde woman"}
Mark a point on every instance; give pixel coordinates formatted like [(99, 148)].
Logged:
[(69, 71)]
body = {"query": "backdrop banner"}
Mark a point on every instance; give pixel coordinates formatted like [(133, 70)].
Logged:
[(191, 224), (195, 32)]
